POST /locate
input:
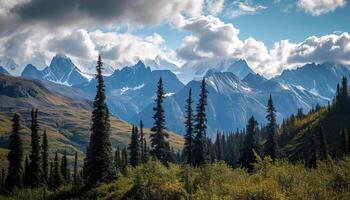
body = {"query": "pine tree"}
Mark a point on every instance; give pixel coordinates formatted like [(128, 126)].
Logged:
[(15, 157), (345, 142), (124, 160), (324, 145), (250, 146), (57, 176), (188, 148), (99, 160), (312, 162), (270, 145), (146, 151), (64, 167), (51, 175), (160, 146), (117, 159), (45, 158), (134, 147), (75, 175), (219, 147), (35, 160), (142, 139), (26, 178), (199, 144)]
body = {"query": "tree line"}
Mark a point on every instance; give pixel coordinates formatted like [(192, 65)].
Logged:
[(101, 164)]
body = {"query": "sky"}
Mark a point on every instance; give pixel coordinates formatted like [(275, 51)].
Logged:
[(270, 35)]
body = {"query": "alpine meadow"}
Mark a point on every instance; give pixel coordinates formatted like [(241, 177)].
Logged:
[(174, 100)]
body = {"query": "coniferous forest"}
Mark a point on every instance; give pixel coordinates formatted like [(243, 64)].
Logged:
[(307, 156)]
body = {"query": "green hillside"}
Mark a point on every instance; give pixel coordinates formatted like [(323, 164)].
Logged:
[(66, 121)]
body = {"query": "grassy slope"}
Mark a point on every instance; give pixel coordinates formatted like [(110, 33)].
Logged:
[(66, 121)]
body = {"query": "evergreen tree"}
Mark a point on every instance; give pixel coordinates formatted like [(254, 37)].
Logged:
[(134, 147), (45, 158), (270, 145), (15, 157), (75, 175), (250, 146), (188, 148), (26, 178), (160, 146), (312, 162), (99, 160), (142, 145), (219, 147), (345, 142), (64, 167), (324, 145), (57, 176), (124, 160), (117, 159), (146, 151), (51, 176), (35, 160), (199, 145)]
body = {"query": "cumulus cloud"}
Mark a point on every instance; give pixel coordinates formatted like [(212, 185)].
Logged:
[(82, 46), (214, 7), (211, 38), (239, 8), (319, 7)]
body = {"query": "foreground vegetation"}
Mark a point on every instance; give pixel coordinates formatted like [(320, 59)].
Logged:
[(278, 180)]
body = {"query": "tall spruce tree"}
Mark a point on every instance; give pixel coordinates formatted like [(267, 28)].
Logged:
[(323, 144), (64, 167), (99, 160), (219, 147), (57, 176), (45, 158), (270, 145), (142, 138), (345, 141), (26, 178), (75, 172), (188, 148), (134, 147), (159, 143), (250, 145), (117, 159), (15, 157), (199, 144), (3, 178), (35, 154)]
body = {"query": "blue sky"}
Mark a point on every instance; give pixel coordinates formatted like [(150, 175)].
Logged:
[(272, 24), (270, 35)]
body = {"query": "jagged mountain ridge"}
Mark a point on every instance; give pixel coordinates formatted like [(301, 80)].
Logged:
[(232, 101), (61, 70)]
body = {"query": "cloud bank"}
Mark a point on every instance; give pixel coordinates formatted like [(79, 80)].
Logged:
[(319, 7)]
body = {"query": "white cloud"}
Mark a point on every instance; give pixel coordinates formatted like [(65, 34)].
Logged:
[(239, 8), (319, 7), (209, 37), (82, 46), (212, 38), (215, 7)]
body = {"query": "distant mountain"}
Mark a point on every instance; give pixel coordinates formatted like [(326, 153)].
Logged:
[(320, 79), (131, 89), (232, 101), (161, 63), (197, 70), (66, 120), (10, 66), (61, 70), (3, 71)]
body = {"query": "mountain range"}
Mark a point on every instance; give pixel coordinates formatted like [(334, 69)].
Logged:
[(66, 120), (235, 91)]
